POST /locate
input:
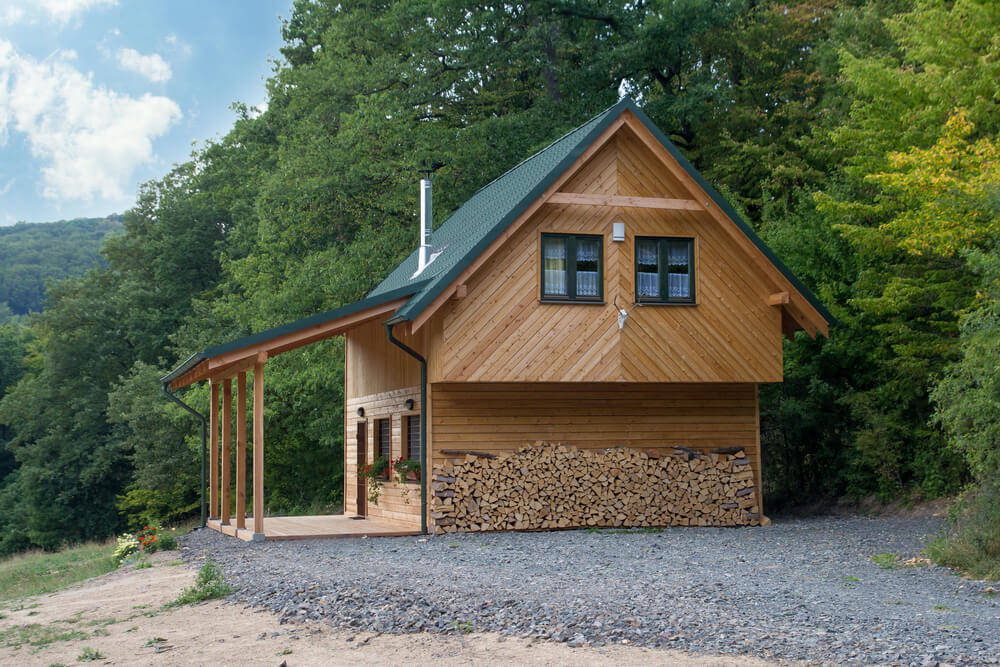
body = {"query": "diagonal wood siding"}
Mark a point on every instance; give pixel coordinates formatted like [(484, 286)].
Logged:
[(501, 332)]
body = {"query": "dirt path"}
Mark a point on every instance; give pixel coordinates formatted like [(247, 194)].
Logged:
[(120, 616)]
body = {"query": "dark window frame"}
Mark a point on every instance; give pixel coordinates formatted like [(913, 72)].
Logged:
[(571, 259), (412, 430), (379, 423), (663, 243)]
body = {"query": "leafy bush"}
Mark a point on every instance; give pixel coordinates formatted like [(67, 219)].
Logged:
[(168, 542), (208, 585), (972, 541)]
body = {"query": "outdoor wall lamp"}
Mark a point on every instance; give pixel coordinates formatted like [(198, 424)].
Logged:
[(361, 412), (409, 404)]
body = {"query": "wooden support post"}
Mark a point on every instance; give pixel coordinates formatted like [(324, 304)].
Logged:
[(758, 473), (213, 457), (258, 450), (241, 451), (227, 446)]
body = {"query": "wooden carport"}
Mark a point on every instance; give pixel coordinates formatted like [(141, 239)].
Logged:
[(219, 366)]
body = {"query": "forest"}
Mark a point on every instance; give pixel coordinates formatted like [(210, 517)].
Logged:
[(861, 138), (32, 254)]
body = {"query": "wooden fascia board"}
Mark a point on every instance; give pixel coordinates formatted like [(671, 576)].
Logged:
[(804, 310), (196, 374), (624, 201), (312, 334), (490, 250), (233, 370)]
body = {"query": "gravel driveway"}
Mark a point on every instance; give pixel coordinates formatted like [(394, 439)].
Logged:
[(798, 590)]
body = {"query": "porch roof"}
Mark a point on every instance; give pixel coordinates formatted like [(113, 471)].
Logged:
[(228, 357)]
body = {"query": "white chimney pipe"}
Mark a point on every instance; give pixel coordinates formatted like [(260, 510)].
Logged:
[(426, 224)]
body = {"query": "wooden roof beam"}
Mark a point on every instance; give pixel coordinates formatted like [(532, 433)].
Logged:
[(660, 203), (777, 299)]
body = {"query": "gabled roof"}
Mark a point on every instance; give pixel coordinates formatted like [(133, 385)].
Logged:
[(485, 216)]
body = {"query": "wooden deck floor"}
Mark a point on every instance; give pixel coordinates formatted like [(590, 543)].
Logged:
[(306, 527)]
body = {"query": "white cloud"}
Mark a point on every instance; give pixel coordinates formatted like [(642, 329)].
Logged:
[(178, 45), (89, 138), (6, 188), (63, 10), (10, 15), (153, 67)]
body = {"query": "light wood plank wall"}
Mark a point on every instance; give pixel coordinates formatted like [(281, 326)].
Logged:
[(392, 503), (380, 378), (500, 332), (501, 417)]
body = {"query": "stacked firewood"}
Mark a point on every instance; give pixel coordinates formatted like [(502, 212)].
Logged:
[(548, 486)]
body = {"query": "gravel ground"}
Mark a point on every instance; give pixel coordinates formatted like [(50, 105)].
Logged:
[(803, 589)]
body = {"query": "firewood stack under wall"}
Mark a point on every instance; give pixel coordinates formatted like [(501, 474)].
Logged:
[(550, 486)]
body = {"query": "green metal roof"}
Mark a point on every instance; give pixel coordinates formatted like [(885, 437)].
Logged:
[(291, 327), (481, 219)]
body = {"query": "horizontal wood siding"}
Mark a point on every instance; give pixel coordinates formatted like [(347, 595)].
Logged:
[(375, 365), (501, 332), (392, 503), (499, 417)]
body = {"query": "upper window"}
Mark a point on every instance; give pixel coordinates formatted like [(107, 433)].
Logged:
[(572, 268), (664, 270)]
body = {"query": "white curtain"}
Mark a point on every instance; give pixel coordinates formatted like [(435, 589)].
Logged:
[(647, 252), (649, 284), (678, 254), (586, 281), (554, 262), (648, 257), (678, 281), (679, 285)]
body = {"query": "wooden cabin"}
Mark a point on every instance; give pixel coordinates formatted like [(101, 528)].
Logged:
[(579, 344)]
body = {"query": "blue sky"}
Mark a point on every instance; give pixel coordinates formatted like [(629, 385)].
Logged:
[(97, 96)]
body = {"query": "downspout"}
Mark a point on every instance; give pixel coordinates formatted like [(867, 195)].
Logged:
[(424, 473), (204, 452)]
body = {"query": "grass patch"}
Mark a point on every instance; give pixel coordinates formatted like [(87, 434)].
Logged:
[(208, 585), (38, 636), (851, 580), (886, 561), (942, 607), (38, 572), (971, 543), (89, 655)]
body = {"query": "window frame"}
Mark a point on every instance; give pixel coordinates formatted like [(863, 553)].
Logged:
[(571, 296), (665, 299), (378, 441), (409, 430)]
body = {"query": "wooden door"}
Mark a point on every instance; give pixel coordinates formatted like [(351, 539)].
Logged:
[(362, 462)]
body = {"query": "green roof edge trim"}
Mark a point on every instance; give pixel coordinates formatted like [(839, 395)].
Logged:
[(291, 327), (439, 283)]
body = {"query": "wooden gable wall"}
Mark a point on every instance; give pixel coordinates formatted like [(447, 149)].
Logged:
[(501, 332)]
